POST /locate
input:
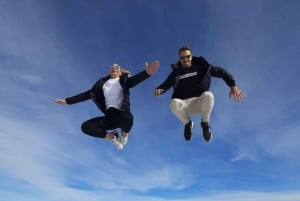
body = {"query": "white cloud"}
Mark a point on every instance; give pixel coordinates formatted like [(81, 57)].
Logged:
[(282, 141), (48, 161), (78, 195), (243, 156), (32, 79), (250, 196)]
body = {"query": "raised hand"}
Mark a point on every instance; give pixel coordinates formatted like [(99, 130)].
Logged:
[(152, 68)]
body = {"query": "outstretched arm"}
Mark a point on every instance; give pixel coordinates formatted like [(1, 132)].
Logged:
[(143, 75), (220, 72), (237, 94), (74, 99)]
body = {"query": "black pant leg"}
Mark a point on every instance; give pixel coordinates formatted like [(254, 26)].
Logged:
[(120, 119), (125, 121), (95, 127)]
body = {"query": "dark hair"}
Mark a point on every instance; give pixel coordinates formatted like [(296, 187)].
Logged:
[(184, 48)]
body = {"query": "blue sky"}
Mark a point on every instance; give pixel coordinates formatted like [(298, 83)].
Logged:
[(54, 49)]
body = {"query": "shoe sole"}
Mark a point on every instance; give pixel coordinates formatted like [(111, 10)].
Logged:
[(209, 138)]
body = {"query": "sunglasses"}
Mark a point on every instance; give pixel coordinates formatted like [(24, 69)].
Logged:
[(116, 67), (185, 57)]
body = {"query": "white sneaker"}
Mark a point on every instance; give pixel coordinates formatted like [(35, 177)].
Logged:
[(117, 143), (124, 140)]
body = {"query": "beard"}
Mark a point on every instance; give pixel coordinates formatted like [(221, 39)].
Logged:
[(186, 65)]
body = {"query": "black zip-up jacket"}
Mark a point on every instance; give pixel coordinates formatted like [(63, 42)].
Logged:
[(97, 95), (204, 73)]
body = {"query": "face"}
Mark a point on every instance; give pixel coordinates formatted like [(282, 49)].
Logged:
[(185, 58), (115, 71)]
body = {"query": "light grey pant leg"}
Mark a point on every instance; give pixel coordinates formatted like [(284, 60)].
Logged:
[(202, 105), (178, 107)]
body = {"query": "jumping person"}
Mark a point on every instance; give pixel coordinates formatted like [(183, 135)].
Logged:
[(111, 95), (190, 78)]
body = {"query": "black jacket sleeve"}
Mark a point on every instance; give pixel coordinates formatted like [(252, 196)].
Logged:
[(168, 83), (137, 78), (79, 97), (220, 72)]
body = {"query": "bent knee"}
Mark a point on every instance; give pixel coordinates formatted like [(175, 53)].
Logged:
[(176, 104), (208, 95)]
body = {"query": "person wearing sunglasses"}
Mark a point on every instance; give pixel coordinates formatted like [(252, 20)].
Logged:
[(111, 95), (190, 78)]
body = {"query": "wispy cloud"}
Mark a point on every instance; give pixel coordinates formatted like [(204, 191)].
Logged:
[(32, 79), (243, 156)]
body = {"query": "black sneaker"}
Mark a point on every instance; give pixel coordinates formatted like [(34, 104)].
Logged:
[(188, 130), (206, 131)]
